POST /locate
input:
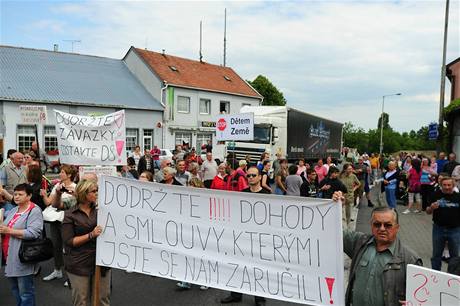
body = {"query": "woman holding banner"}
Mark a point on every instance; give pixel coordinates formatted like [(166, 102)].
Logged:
[(79, 233)]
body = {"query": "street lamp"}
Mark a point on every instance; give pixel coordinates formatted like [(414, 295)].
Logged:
[(381, 120)]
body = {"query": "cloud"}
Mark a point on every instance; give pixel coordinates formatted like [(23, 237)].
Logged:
[(334, 58)]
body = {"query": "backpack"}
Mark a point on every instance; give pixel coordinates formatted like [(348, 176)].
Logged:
[(232, 181)]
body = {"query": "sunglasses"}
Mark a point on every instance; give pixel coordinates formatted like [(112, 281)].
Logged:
[(251, 175), (385, 225)]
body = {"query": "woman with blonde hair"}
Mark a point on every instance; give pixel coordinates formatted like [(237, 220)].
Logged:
[(79, 234)]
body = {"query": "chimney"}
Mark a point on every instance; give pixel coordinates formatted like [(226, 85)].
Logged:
[(56, 47)]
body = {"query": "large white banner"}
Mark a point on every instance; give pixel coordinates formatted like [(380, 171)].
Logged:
[(85, 140), (430, 287), (286, 248), (235, 127)]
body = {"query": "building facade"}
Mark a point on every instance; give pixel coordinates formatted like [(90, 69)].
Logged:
[(72, 83), (453, 118), (192, 92)]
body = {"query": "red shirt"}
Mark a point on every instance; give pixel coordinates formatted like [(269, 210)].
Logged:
[(6, 238), (219, 183), (236, 184)]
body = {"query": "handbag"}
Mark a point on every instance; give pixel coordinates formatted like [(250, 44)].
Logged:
[(36, 250)]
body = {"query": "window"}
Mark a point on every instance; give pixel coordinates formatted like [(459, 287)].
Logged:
[(148, 139), (25, 137), (224, 107), (173, 68), (50, 139), (183, 104), (131, 139), (205, 106), (202, 139), (182, 138)]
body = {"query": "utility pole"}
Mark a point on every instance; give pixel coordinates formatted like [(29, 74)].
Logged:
[(443, 84), (381, 119)]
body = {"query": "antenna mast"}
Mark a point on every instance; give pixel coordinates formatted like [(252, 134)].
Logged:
[(201, 38), (225, 37), (73, 42)]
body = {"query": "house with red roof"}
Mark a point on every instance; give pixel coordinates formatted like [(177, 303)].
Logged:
[(192, 92)]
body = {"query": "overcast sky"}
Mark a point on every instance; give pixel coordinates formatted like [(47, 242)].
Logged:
[(335, 59)]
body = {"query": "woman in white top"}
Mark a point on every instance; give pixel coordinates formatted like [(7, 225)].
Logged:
[(61, 197), (136, 154)]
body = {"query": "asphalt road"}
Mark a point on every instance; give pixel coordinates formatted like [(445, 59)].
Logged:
[(128, 289)]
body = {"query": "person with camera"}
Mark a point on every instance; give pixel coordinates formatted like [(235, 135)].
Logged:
[(79, 234), (60, 198), (23, 222)]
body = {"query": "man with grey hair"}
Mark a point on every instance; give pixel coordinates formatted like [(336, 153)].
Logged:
[(15, 172), (378, 268)]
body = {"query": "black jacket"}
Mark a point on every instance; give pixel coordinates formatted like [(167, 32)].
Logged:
[(142, 166)]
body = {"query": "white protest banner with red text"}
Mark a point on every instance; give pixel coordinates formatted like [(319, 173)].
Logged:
[(430, 287), (235, 127), (280, 247), (87, 140)]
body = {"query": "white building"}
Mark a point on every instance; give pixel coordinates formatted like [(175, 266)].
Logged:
[(72, 83), (193, 93)]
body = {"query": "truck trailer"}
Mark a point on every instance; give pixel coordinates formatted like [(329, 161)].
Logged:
[(291, 133)]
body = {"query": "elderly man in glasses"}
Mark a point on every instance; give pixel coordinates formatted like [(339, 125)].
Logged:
[(378, 267)]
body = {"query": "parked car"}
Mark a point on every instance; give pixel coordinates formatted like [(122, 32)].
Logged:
[(166, 154)]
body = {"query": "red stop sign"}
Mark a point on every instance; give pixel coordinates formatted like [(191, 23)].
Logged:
[(221, 124)]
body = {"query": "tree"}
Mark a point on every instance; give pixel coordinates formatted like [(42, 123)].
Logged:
[(271, 94), (386, 120)]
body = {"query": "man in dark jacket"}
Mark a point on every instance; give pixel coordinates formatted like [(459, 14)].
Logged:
[(446, 221), (331, 184), (378, 267), (146, 163)]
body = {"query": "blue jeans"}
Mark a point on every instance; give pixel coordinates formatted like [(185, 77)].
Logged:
[(23, 290), (390, 195), (441, 234)]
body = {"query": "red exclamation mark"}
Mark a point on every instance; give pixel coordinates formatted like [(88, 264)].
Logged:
[(215, 210), (228, 206), (210, 208), (218, 207), (330, 284), (223, 208)]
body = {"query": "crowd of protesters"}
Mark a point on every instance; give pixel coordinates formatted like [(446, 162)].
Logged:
[(69, 205)]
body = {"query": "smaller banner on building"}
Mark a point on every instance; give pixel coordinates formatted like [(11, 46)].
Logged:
[(235, 127), (430, 287), (33, 114), (85, 140)]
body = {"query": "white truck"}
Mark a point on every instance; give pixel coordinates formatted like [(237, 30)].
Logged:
[(290, 132)]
